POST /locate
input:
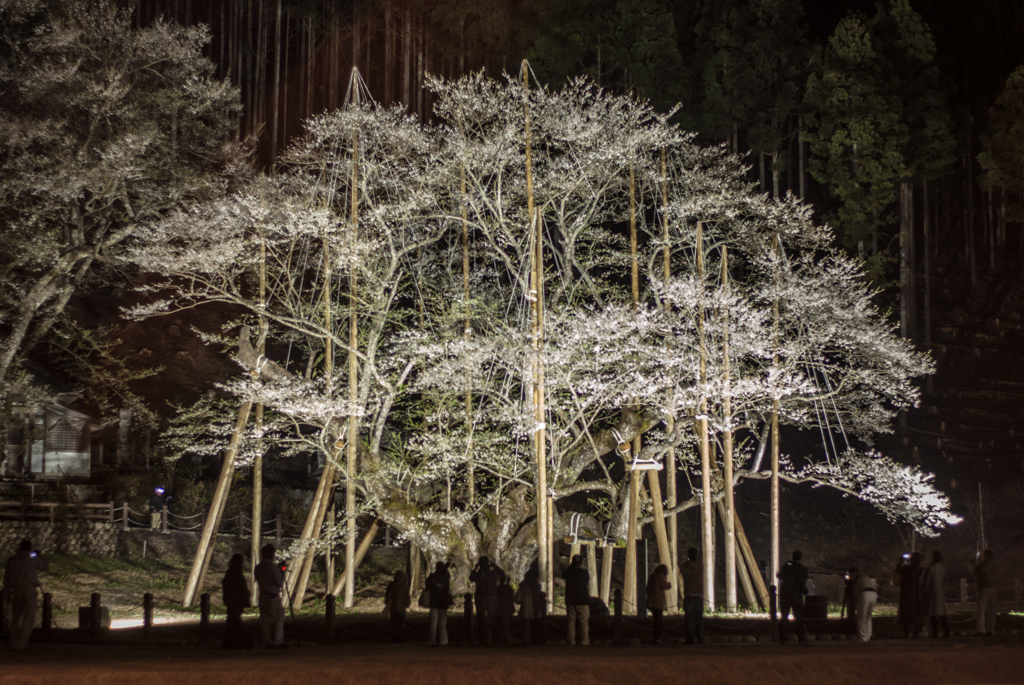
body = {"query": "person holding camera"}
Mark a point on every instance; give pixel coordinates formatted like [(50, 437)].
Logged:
[(156, 508), (21, 585), (792, 588), (438, 587), (908, 576), (485, 576)]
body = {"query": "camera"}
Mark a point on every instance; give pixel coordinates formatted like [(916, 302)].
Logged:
[(33, 554), (906, 556)]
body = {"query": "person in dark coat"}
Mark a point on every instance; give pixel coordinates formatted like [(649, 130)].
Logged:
[(530, 600), (156, 508), (657, 587), (577, 601), (485, 576), (909, 614), (505, 609), (933, 595), (235, 591), (438, 585), (693, 596), (792, 588), (396, 598)]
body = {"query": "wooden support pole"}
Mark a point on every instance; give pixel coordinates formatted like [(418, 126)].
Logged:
[(310, 531), (707, 514), (306, 566), (364, 545), (751, 561), (670, 456), (664, 551), (776, 558), (740, 566), (729, 504), (607, 562), (632, 530), (202, 558), (470, 475), (593, 588)]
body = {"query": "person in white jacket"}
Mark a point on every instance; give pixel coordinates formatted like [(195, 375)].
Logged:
[(865, 596), (21, 586)]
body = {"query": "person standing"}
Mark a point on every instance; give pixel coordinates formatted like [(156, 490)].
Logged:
[(864, 597), (486, 579), (397, 599), (156, 508), (529, 597), (792, 588), (235, 591), (577, 601), (985, 577), (270, 581), (506, 609), (438, 585), (909, 612), (693, 596), (933, 595), (21, 584), (657, 586)]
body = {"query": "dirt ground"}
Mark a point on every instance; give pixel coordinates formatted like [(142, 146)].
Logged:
[(920, 662)]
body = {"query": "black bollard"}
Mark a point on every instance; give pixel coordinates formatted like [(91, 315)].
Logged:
[(329, 616), (617, 621), (204, 615), (97, 616), (773, 602), (47, 613), (147, 613), (467, 620)]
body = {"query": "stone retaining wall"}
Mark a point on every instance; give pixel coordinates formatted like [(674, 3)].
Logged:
[(96, 538)]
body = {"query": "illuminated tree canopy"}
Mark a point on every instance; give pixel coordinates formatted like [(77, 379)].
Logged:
[(444, 403)]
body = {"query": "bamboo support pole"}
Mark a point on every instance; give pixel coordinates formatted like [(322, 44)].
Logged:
[(592, 588), (326, 497), (540, 442), (257, 464), (707, 520), (670, 456), (364, 546), (607, 561), (629, 598), (776, 557), (661, 534), (353, 375), (470, 476), (201, 562), (751, 561), (727, 519)]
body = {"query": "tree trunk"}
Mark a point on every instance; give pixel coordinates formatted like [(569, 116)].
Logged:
[(927, 278), (275, 100), (800, 153), (707, 513), (727, 520), (906, 200), (407, 60)]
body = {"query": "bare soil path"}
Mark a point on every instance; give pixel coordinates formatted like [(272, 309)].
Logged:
[(884, 662)]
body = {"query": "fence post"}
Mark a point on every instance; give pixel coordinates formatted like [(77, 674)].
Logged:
[(97, 615), (467, 619), (963, 591), (202, 521), (279, 530), (204, 615), (329, 616), (617, 621), (163, 519), (110, 515), (241, 524), (47, 613), (147, 613), (124, 516)]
